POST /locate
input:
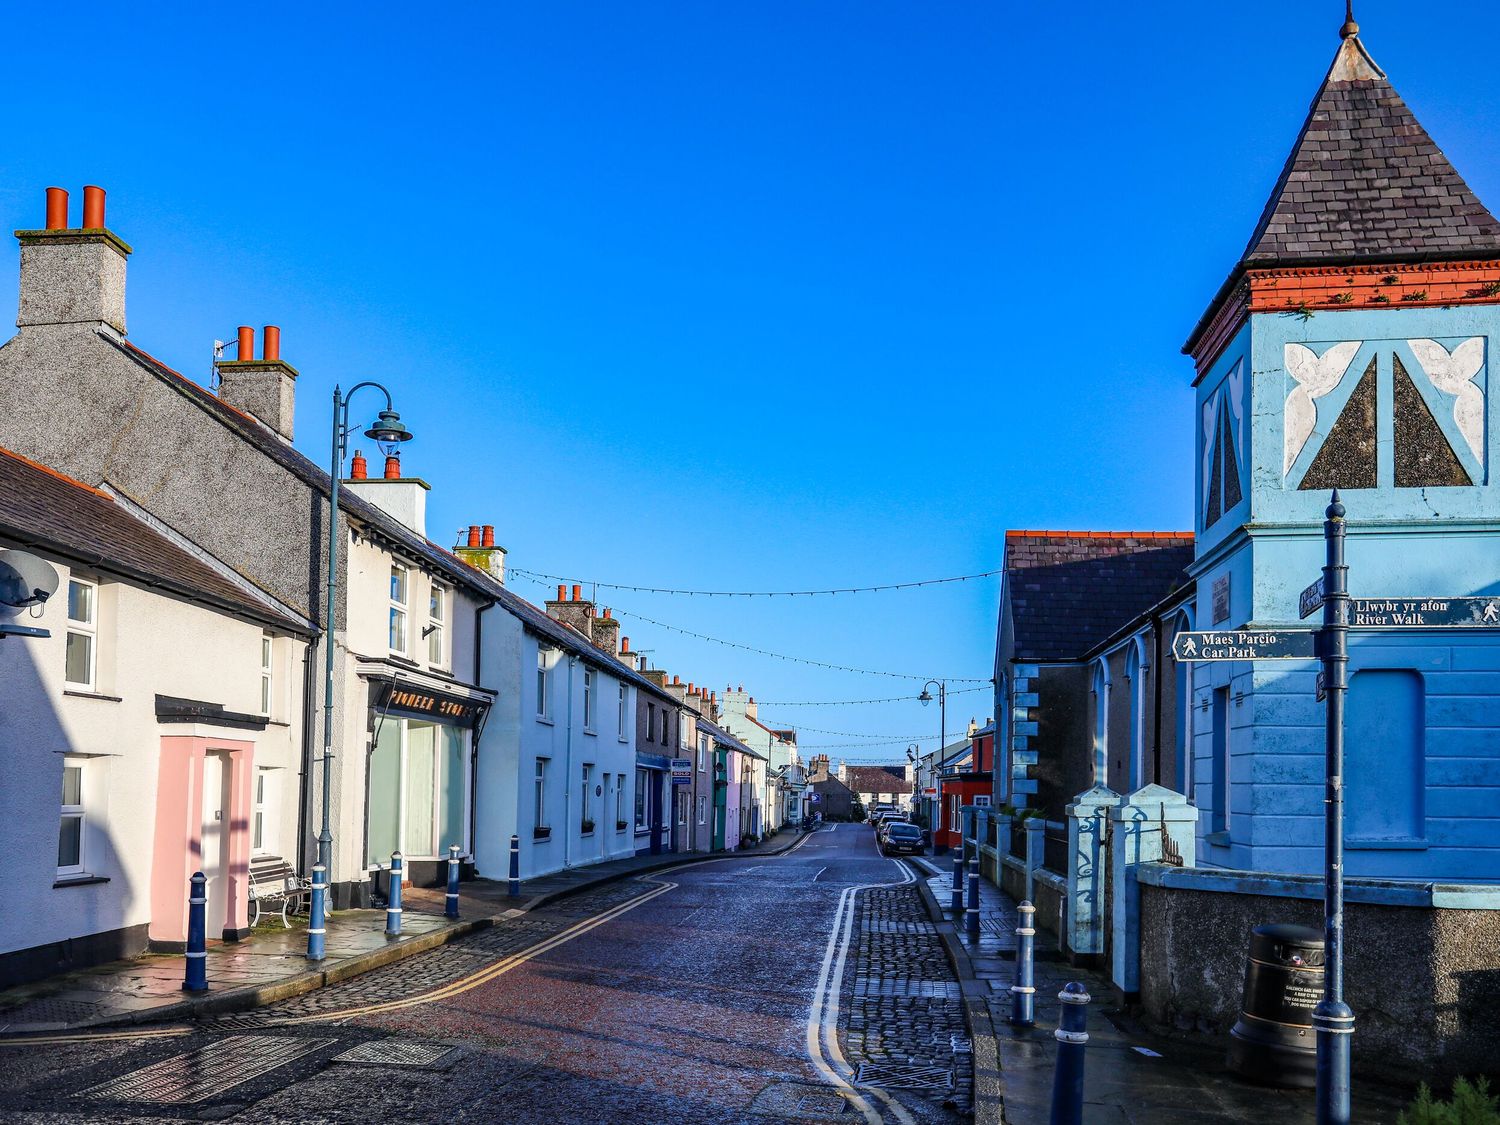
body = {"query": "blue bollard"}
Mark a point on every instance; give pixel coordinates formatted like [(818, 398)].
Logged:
[(514, 886), (317, 916), (451, 910), (1023, 992), (1072, 1035), (971, 917), (958, 884), (393, 899), (196, 975)]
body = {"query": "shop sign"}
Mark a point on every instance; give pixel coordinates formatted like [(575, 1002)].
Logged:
[(682, 771), (434, 705)]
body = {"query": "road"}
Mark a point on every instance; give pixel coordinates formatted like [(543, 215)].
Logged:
[(725, 991)]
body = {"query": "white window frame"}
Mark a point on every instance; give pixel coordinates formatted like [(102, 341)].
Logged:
[(583, 809), (267, 676), (399, 619), (543, 684), (263, 811), (87, 628), (78, 812), (540, 809), (684, 740), (624, 698), (642, 800), (437, 626), (588, 700), (703, 753), (620, 801), (702, 808)]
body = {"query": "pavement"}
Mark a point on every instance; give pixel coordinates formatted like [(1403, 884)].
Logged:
[(1132, 1074), (719, 993), (271, 964)]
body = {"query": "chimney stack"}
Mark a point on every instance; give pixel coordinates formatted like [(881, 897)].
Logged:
[(607, 631), (402, 498), (575, 611), (72, 277), (265, 387), (481, 552)]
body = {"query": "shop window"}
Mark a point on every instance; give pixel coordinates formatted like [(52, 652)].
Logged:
[(72, 836), (437, 626), (82, 646), (400, 580), (417, 786)]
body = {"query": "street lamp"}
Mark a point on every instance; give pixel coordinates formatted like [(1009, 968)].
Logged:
[(925, 698), (912, 752), (388, 433)]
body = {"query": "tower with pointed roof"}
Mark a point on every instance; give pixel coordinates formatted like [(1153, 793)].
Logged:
[(1348, 348)]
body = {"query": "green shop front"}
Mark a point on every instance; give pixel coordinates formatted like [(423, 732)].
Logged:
[(420, 780)]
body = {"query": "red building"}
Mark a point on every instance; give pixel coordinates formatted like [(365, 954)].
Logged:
[(967, 775)]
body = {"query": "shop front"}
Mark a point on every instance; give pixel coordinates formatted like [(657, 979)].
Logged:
[(420, 780)]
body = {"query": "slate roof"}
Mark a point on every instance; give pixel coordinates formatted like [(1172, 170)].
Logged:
[(727, 740), (876, 779), (265, 440), (1069, 590), (1365, 181), (43, 509)]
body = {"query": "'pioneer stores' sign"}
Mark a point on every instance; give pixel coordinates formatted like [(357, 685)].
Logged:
[(428, 704), (1245, 644)]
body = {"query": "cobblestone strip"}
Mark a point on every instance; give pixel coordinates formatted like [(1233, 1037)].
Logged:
[(905, 1020)]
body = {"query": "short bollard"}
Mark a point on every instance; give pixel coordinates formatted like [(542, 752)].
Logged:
[(196, 978), (393, 899), (451, 910), (1072, 1035), (1023, 992), (971, 918), (513, 887), (958, 884), (317, 914)]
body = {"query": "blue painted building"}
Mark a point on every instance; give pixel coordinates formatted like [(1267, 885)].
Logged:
[(1349, 348)]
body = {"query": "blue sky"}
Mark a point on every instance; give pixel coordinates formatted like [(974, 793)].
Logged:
[(754, 296)]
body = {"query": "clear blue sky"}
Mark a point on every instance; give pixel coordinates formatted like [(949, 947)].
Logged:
[(773, 295)]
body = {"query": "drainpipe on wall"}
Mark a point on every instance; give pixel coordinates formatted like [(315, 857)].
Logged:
[(568, 775)]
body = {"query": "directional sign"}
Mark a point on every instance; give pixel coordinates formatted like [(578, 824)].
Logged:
[(1311, 600), (1406, 613), (1322, 686), (1265, 644)]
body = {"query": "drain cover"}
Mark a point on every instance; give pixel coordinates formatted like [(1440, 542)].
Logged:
[(799, 1101), (399, 1052), (903, 1076), (198, 1075)]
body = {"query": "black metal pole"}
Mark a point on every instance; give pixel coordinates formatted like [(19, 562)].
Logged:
[(1333, 1019)]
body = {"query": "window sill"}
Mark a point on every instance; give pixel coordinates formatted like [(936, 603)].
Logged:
[(79, 693), (586, 835), (1218, 839), (79, 881), (591, 732), (541, 834), (404, 661), (545, 720)]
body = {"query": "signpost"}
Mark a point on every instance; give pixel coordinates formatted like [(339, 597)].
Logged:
[(1244, 644)]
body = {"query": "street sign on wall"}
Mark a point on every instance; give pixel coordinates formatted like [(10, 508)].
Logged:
[(682, 771), (1406, 613), (1310, 600), (1245, 644)]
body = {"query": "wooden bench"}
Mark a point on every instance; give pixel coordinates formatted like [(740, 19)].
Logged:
[(272, 881)]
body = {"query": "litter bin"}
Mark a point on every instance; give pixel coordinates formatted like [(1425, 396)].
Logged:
[(1273, 1040)]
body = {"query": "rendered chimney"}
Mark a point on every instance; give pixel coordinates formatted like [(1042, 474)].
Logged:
[(265, 387), (575, 611), (481, 552), (402, 498), (72, 277)]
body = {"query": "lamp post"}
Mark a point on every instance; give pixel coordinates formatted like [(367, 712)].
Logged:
[(924, 699), (387, 433)]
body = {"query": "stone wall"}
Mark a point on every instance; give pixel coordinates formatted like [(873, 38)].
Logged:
[(1423, 980)]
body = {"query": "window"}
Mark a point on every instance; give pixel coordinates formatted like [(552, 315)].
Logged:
[(586, 821), (955, 818), (623, 727), (702, 752), (539, 813), (620, 799), (702, 809), (265, 675), (666, 727), (650, 722), (588, 699), (642, 781), (1101, 722), (70, 836), (543, 675), (263, 812), (83, 627), (683, 740), (437, 618), (1221, 750), (399, 579)]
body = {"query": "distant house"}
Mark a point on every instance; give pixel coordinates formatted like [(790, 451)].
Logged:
[(829, 795), (879, 785)]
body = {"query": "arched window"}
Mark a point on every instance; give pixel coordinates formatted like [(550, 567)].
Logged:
[(1137, 665), (1100, 691)]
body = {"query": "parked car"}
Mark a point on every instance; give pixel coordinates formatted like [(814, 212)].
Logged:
[(902, 838), (881, 819)]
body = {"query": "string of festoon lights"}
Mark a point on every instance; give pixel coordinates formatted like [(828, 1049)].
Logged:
[(545, 579), (860, 702)]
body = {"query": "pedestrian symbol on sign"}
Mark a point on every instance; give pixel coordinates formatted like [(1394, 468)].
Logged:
[(1492, 612), (1189, 647)]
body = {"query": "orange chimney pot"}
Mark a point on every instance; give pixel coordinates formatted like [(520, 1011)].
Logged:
[(393, 468), (57, 209), (93, 208), (246, 343), (577, 592), (270, 344), (473, 535), (624, 644), (358, 468), (489, 536), (562, 592)]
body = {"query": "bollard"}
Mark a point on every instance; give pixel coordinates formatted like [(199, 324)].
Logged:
[(958, 883), (196, 978), (1072, 1034), (393, 899), (451, 910), (1023, 992), (318, 913), (971, 918), (513, 888)]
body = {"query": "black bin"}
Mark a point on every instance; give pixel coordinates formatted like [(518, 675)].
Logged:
[(1273, 1040)]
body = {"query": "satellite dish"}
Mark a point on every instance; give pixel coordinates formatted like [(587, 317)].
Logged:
[(25, 581)]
